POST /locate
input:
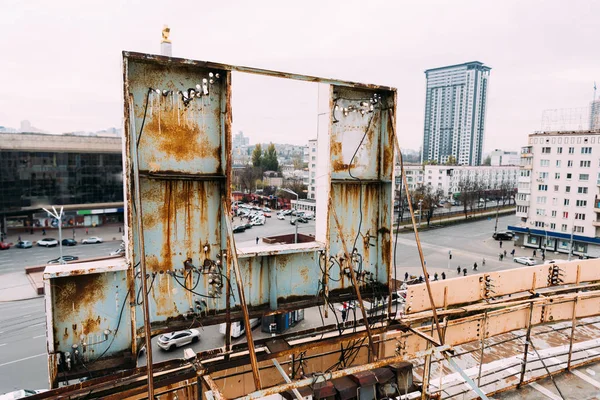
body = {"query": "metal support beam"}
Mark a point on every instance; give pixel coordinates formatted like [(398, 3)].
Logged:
[(573, 321), (416, 231), (217, 394), (526, 349), (483, 334), (425, 336), (142, 255), (240, 286), (354, 283), (426, 372), (286, 378), (462, 373)]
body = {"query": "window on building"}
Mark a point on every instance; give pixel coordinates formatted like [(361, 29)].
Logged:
[(545, 150), (566, 202), (569, 176), (585, 163), (570, 163), (314, 149), (586, 150), (552, 226), (565, 215), (553, 213), (539, 224), (581, 203), (540, 211), (556, 188), (313, 158), (557, 163), (579, 229), (557, 175), (584, 177), (559, 150), (582, 190), (563, 227), (555, 201), (571, 150), (544, 163), (543, 175), (580, 216), (541, 199), (543, 188)]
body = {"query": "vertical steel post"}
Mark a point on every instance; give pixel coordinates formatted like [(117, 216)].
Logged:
[(526, 349), (483, 333), (573, 320), (427, 369), (228, 290), (240, 286)]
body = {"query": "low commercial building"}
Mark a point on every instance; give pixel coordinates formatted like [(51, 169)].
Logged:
[(84, 174), (557, 197)]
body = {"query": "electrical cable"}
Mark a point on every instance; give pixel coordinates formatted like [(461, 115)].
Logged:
[(190, 290), (137, 143)]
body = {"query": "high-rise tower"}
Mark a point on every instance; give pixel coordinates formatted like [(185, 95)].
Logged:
[(455, 113)]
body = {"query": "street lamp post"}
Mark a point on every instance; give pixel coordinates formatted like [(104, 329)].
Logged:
[(58, 216), (571, 244), (420, 211), (296, 208)]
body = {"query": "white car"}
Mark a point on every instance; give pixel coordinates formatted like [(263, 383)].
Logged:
[(47, 242), (279, 216), (169, 341), (93, 239), (118, 252), (524, 260)]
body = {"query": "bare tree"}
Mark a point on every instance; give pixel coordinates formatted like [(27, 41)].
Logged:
[(430, 199), (248, 177), (467, 187)]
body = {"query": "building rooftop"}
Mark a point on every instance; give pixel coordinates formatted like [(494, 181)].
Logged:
[(470, 63), (59, 143), (569, 132)]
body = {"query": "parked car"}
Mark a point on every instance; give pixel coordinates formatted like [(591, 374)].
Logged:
[(118, 252), (302, 219), (524, 260), (247, 226), (64, 258), (266, 214), (503, 235), (47, 242), (5, 246), (286, 212), (20, 394), (169, 341), (280, 216), (93, 239), (239, 228), (238, 328), (69, 242), (24, 244)]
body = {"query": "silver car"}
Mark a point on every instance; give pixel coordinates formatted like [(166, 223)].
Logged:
[(524, 260), (169, 341)]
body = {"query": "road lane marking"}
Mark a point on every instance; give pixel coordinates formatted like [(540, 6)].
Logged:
[(25, 316), (41, 323), (39, 336), (3, 344), (22, 359)]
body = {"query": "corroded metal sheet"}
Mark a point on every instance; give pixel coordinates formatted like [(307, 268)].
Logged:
[(472, 288), (86, 311)]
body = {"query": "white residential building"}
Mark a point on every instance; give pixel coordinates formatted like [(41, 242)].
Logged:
[(455, 106), (448, 177), (501, 157), (558, 192), (312, 168)]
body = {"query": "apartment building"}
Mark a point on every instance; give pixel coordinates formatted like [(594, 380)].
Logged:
[(448, 177), (311, 159), (557, 197)]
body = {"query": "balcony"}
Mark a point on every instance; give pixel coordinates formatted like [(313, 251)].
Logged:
[(597, 205), (596, 223), (521, 214)]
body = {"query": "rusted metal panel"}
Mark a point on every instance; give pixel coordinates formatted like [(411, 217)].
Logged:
[(471, 289), (89, 315)]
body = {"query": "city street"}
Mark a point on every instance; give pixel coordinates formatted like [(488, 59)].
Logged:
[(22, 323)]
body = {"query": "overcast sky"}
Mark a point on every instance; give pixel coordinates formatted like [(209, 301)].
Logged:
[(60, 61)]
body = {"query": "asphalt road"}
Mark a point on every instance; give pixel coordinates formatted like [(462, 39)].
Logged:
[(22, 324), (272, 227), (14, 259), (23, 358)]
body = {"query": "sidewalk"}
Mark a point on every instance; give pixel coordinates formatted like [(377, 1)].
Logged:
[(106, 232), (16, 286)]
